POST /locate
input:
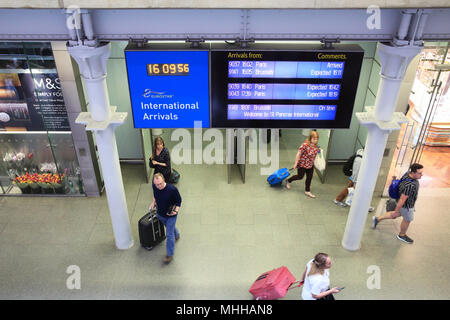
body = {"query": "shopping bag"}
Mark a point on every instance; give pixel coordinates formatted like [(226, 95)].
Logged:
[(319, 162), (351, 192)]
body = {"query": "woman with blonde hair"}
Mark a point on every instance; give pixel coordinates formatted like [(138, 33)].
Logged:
[(316, 279), (304, 162)]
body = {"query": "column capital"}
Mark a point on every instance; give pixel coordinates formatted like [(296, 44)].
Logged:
[(369, 120), (395, 59), (116, 119), (91, 60), (92, 65)]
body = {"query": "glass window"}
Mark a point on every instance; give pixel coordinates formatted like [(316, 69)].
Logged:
[(37, 153)]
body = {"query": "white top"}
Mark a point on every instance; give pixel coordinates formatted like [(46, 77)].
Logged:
[(356, 165), (316, 283)]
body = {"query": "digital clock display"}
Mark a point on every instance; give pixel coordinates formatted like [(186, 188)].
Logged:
[(168, 69)]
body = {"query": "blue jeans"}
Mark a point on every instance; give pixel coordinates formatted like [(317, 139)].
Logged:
[(171, 232)]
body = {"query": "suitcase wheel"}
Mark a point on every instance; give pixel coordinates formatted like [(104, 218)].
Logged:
[(148, 248)]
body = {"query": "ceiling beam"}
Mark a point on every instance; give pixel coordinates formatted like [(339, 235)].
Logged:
[(220, 24)]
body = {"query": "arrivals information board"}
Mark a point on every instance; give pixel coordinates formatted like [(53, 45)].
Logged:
[(293, 87)]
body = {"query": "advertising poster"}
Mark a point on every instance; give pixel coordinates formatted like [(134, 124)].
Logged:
[(32, 102)]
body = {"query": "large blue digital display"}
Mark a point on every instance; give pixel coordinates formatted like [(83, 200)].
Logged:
[(168, 89)]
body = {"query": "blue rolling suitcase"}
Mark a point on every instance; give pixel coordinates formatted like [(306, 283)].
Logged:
[(278, 176)]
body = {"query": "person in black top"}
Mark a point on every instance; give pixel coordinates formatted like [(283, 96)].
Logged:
[(168, 201), (160, 159), (408, 190)]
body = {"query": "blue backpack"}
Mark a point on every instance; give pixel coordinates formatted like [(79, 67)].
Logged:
[(394, 188)]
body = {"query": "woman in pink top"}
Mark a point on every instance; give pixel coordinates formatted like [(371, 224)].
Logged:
[(304, 162)]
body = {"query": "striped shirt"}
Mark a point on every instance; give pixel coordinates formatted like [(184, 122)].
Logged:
[(409, 187)]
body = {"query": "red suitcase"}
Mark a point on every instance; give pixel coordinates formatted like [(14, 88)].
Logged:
[(273, 284)]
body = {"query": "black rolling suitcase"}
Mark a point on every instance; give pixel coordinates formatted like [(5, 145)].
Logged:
[(151, 230), (174, 176)]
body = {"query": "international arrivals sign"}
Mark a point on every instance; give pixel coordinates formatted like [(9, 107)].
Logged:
[(168, 88)]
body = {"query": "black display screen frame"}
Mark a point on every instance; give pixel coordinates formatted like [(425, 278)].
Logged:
[(345, 104)]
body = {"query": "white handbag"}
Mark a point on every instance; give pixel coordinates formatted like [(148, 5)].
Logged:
[(351, 192), (319, 162)]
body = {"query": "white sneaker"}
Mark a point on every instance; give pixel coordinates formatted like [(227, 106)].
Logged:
[(374, 222), (371, 209), (341, 204)]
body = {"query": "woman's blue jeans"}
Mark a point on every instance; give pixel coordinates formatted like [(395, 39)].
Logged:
[(171, 233)]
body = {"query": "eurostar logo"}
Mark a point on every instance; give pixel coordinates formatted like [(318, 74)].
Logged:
[(148, 93)]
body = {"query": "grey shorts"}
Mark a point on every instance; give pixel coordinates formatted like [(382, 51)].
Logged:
[(407, 214)]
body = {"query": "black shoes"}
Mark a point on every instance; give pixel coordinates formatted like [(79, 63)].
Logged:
[(405, 238)]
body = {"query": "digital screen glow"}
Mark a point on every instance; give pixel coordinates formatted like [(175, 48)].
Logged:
[(280, 91), (168, 89), (259, 88), (285, 69), (281, 112)]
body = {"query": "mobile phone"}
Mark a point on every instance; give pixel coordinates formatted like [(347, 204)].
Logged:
[(341, 288)]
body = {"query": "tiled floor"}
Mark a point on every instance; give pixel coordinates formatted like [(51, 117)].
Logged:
[(230, 234)]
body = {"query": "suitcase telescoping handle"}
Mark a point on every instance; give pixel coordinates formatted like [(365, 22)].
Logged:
[(152, 213), (300, 283)]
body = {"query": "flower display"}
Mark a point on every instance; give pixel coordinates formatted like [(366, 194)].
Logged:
[(22, 181), (44, 180), (18, 163), (48, 167), (20, 156), (32, 177), (8, 157), (14, 157)]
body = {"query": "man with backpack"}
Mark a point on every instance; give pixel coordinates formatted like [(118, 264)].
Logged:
[(351, 169), (408, 189)]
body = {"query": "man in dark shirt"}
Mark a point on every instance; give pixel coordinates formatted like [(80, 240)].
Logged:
[(165, 196), (408, 190)]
